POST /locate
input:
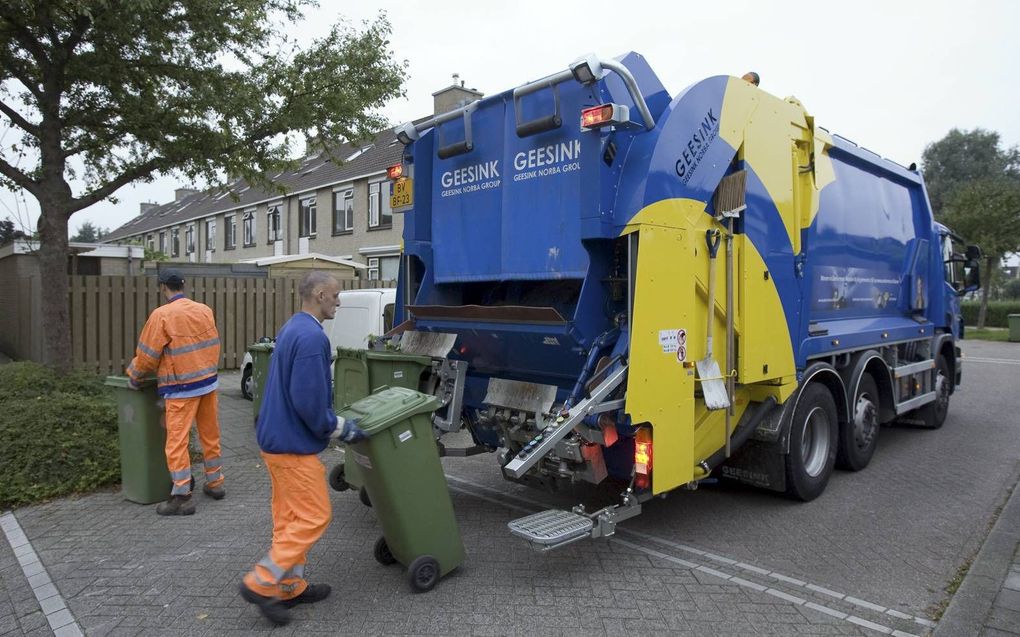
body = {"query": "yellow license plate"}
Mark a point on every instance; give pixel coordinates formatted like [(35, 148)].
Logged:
[(403, 193)]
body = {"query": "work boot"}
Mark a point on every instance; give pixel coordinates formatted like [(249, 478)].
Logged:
[(271, 608), (312, 593), (176, 505), (216, 493)]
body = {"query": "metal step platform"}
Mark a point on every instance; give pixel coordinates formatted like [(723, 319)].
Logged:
[(551, 529)]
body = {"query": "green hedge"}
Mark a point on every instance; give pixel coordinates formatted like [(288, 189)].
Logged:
[(57, 435), (998, 311)]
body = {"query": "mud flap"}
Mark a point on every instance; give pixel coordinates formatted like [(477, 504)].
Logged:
[(760, 464)]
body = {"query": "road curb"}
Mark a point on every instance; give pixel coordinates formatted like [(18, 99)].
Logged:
[(972, 603)]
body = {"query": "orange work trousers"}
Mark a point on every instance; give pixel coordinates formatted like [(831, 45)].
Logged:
[(301, 513), (180, 413)]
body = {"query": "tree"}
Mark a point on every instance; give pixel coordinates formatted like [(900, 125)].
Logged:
[(987, 212), (964, 156), (107, 93), (8, 233), (88, 232), (974, 187)]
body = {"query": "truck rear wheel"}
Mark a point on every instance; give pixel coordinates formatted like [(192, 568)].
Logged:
[(859, 437), (933, 415), (813, 442)]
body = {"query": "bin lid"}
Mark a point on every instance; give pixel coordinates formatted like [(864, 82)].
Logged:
[(261, 347), (125, 383), (382, 355), (389, 406)]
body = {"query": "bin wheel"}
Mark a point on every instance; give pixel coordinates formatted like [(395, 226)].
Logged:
[(363, 496), (337, 478), (423, 573), (382, 553)]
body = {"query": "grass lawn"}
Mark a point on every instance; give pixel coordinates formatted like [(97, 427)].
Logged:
[(986, 334)]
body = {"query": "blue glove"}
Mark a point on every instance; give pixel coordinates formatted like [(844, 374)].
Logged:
[(351, 432)]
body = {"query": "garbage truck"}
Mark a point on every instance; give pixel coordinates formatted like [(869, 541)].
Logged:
[(617, 284)]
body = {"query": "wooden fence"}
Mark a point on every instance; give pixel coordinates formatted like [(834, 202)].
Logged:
[(108, 312)]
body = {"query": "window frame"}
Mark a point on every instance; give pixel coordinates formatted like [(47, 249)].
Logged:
[(210, 235), (229, 232), (373, 264), (307, 207), (249, 228), (274, 230), (382, 205), (189, 239), (346, 195), (175, 241)]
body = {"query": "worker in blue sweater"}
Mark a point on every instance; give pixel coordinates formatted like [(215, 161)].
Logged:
[(295, 423)]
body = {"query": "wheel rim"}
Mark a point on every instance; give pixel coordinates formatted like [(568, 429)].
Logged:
[(941, 392), (865, 421), (814, 444), (425, 574), (249, 384)]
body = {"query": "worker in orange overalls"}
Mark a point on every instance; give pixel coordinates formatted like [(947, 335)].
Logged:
[(181, 345), (295, 423)]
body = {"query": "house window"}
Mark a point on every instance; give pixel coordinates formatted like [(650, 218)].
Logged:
[(230, 233), (373, 268), (162, 241), (189, 239), (210, 234), (175, 242), (379, 215), (249, 228), (273, 223), (343, 212), (150, 243), (306, 219)]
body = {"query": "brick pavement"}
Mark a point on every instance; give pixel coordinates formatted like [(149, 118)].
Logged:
[(125, 571)]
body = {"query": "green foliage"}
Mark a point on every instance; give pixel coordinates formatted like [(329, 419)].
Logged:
[(58, 435), (987, 334), (89, 232), (1011, 289), (8, 232), (998, 311), (962, 157)]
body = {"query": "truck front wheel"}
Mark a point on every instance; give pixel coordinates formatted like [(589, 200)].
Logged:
[(858, 439), (813, 442), (933, 415)]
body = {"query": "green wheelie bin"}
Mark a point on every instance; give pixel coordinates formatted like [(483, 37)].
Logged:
[(356, 373), (399, 463), (144, 476), (260, 353)]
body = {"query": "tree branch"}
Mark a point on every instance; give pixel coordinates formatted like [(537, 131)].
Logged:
[(97, 195), (20, 121), (19, 178)]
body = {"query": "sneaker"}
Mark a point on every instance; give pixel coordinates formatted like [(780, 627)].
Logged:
[(176, 505), (216, 493), (312, 593), (271, 608)]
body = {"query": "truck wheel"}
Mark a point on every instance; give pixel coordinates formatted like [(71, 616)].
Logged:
[(247, 384), (933, 415), (423, 573), (363, 496), (859, 437), (337, 478), (813, 442), (382, 552)]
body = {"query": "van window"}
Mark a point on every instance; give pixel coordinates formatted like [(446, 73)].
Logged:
[(387, 318)]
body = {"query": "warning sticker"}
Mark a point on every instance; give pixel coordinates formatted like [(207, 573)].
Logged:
[(673, 341), (405, 436), (398, 374)]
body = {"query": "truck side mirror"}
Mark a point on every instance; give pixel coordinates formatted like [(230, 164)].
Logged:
[(973, 253), (971, 275)]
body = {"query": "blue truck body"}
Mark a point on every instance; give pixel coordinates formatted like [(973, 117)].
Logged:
[(557, 254)]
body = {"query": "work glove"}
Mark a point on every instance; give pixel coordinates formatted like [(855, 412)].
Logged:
[(349, 431)]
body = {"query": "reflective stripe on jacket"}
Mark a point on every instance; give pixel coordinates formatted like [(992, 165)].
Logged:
[(180, 344)]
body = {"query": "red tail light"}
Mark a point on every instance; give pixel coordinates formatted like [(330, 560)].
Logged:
[(395, 172), (643, 452), (596, 116)]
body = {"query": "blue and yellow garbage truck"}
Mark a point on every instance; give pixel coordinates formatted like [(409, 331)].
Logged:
[(620, 284)]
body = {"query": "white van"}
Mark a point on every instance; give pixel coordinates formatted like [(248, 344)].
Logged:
[(360, 313)]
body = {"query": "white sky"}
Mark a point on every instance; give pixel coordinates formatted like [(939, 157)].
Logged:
[(890, 75)]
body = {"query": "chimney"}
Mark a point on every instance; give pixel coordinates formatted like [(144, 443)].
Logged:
[(145, 207), (181, 193), (454, 96)]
